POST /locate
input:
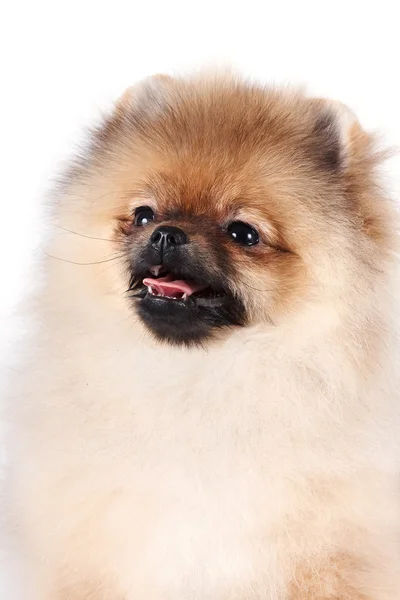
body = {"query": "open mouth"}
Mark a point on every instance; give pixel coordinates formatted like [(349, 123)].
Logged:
[(183, 309), (163, 285)]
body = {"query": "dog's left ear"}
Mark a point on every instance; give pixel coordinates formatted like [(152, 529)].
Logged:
[(335, 130)]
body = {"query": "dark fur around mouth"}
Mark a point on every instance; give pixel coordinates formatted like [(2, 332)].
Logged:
[(186, 321)]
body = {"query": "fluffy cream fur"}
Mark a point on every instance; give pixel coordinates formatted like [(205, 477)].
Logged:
[(265, 465)]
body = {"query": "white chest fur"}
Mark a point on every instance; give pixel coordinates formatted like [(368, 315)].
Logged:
[(183, 473)]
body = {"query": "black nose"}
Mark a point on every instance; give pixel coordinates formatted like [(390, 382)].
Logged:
[(167, 237)]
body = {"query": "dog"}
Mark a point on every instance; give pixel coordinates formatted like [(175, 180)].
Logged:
[(208, 404)]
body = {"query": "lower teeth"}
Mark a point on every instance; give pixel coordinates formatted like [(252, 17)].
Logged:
[(155, 293)]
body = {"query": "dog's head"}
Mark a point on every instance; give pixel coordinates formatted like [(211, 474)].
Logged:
[(233, 204)]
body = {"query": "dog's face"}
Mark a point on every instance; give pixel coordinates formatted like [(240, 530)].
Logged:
[(235, 205), (183, 272)]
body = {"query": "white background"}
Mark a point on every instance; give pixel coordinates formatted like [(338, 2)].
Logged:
[(62, 61)]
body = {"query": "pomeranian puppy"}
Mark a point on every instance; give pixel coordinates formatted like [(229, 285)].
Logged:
[(209, 405)]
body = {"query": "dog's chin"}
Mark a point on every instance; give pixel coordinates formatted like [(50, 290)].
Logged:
[(187, 320)]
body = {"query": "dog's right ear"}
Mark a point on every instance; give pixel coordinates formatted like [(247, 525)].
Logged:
[(148, 97), (147, 93)]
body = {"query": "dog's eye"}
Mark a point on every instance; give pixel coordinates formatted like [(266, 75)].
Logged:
[(143, 215), (243, 234)]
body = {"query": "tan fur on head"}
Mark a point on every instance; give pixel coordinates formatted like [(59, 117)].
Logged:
[(262, 462)]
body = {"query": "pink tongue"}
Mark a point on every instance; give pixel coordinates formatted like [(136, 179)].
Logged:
[(166, 286)]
